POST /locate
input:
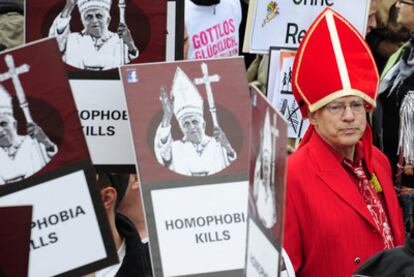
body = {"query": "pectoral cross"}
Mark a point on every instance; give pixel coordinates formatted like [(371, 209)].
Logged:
[(207, 80)]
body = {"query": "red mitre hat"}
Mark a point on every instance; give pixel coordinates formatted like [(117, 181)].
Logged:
[(333, 60)]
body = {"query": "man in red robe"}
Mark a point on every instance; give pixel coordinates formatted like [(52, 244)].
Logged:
[(341, 207)]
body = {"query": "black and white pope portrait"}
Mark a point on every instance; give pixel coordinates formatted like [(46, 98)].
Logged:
[(196, 153), (20, 155), (95, 47), (264, 175)]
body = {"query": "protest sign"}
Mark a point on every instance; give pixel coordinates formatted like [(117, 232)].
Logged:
[(284, 23), (89, 63), (280, 91), (45, 163), (192, 158), (15, 237), (267, 188)]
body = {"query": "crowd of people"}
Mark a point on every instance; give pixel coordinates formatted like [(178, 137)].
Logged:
[(350, 183)]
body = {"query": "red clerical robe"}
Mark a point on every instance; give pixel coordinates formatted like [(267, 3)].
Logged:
[(329, 231)]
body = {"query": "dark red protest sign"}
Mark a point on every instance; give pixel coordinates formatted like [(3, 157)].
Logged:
[(45, 163)]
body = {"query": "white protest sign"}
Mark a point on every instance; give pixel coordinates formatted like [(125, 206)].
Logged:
[(64, 225), (284, 23), (280, 91), (200, 183), (267, 188), (262, 256), (206, 223), (104, 118)]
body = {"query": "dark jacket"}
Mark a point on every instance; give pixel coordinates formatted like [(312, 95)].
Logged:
[(137, 260), (396, 262), (386, 117)]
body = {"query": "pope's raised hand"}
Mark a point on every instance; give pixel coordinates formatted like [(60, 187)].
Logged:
[(167, 106)]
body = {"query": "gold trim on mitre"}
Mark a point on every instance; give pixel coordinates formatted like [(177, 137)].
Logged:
[(341, 93)]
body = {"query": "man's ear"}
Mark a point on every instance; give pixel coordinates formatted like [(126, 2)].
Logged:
[(313, 118), (108, 196), (133, 182)]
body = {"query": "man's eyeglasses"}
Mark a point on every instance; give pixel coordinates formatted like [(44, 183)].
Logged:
[(339, 108), (407, 2)]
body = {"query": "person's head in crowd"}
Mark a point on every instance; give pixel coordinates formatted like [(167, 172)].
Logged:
[(405, 15), (95, 16), (387, 13), (113, 187), (133, 253), (372, 19), (206, 2), (11, 23), (341, 123), (133, 207), (337, 109)]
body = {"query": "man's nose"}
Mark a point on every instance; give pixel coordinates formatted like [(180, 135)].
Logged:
[(94, 19), (348, 114)]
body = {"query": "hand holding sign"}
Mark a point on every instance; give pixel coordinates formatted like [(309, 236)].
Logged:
[(221, 137)]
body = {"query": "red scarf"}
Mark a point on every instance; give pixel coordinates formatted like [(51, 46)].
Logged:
[(371, 197)]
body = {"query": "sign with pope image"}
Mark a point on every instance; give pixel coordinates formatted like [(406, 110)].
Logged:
[(190, 130), (45, 163)]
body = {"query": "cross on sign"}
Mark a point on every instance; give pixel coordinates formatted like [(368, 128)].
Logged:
[(13, 74), (207, 80)]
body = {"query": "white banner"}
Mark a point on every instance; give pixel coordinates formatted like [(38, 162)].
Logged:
[(64, 225), (280, 91), (284, 23), (262, 256), (201, 229), (104, 117)]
